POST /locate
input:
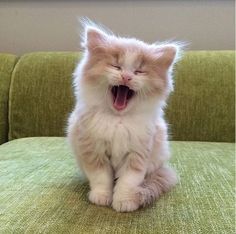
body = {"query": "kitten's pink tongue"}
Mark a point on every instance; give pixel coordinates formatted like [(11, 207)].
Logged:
[(121, 98)]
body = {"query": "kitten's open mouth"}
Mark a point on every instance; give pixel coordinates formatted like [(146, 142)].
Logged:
[(121, 96)]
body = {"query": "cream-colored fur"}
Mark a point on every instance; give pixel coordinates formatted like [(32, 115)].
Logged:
[(124, 152)]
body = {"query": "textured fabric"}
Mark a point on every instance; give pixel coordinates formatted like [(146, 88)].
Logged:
[(42, 192), (202, 108), (7, 63), (41, 94)]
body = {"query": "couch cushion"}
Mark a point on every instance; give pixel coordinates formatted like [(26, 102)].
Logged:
[(7, 63), (201, 108), (42, 192), (41, 94)]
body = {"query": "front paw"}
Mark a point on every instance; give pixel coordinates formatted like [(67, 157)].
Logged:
[(125, 205), (100, 198)]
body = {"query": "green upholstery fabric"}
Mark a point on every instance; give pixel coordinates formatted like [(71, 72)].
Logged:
[(42, 192), (200, 109), (7, 63), (41, 94)]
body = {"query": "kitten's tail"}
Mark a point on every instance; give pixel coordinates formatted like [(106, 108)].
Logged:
[(157, 183)]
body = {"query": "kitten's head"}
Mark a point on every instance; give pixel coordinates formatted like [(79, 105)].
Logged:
[(124, 73)]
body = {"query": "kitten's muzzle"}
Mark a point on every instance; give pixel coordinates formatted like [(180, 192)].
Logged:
[(126, 78)]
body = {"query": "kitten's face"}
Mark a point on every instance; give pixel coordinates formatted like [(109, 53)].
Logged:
[(128, 71)]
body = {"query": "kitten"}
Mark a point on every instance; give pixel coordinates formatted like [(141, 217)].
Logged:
[(117, 130)]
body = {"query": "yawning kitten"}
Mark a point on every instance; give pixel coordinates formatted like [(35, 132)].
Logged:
[(117, 130)]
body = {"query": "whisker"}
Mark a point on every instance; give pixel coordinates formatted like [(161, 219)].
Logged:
[(107, 93), (102, 82), (143, 94)]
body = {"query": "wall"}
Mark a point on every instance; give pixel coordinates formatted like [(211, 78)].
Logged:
[(27, 26)]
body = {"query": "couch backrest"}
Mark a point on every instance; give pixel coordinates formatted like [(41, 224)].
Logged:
[(41, 94), (7, 63), (200, 109)]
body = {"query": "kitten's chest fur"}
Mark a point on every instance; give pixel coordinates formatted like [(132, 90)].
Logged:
[(116, 136)]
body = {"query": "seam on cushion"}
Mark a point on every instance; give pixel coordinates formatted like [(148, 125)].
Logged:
[(9, 73), (18, 58)]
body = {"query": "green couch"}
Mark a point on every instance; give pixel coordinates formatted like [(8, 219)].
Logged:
[(41, 189)]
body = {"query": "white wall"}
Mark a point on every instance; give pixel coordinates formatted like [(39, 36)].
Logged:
[(27, 26)]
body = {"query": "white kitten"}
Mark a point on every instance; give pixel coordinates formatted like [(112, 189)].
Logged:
[(117, 130)]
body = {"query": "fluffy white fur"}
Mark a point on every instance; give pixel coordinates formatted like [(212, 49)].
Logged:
[(123, 152)]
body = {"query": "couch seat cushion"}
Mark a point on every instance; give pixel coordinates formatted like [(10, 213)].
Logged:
[(43, 192)]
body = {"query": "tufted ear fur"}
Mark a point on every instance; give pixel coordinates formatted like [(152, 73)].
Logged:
[(167, 55), (94, 38)]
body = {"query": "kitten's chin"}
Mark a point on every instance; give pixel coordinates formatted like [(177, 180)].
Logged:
[(121, 97)]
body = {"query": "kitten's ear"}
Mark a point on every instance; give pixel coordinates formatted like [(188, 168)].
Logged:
[(168, 54), (94, 38)]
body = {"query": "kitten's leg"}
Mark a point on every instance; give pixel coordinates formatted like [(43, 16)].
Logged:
[(160, 178), (95, 166), (126, 196), (100, 176)]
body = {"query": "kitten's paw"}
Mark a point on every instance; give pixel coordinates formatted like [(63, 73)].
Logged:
[(125, 205), (99, 198)]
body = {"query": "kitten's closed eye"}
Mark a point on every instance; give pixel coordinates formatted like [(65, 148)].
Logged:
[(136, 72), (117, 67), (139, 72)]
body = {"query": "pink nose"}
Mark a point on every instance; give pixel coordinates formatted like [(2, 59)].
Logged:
[(126, 78)]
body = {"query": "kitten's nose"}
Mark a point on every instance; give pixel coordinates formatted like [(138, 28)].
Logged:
[(126, 77)]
